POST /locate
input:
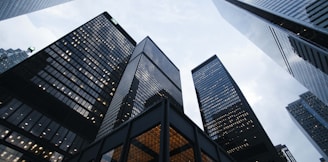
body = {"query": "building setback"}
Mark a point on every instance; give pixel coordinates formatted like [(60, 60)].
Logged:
[(12, 8), (149, 73), (311, 116), (161, 133), (53, 103), (227, 117), (293, 33), (10, 58)]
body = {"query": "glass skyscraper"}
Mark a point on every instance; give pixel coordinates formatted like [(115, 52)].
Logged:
[(311, 116), (10, 58), (227, 117), (12, 8), (293, 33), (53, 103), (149, 75), (161, 133)]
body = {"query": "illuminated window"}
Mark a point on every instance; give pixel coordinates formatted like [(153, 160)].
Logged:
[(146, 146), (180, 148)]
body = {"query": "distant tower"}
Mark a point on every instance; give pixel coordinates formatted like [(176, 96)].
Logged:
[(293, 33), (10, 58), (149, 76), (284, 153), (53, 103), (12, 8), (227, 117), (311, 116)]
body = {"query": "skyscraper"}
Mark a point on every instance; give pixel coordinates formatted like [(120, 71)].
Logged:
[(10, 58), (311, 116), (12, 8), (161, 133), (227, 117), (284, 153), (149, 73), (293, 33), (53, 103)]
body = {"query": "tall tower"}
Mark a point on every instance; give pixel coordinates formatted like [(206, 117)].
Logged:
[(10, 58), (12, 8), (293, 33), (53, 103), (284, 153), (311, 116), (227, 117), (150, 74)]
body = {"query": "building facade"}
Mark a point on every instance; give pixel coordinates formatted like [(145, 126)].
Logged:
[(10, 58), (227, 117), (161, 133), (53, 103), (12, 8), (293, 33), (311, 116), (149, 73), (284, 153)]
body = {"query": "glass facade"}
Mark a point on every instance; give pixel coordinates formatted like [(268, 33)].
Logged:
[(53, 103), (12, 8), (293, 33), (149, 76), (284, 153), (161, 133), (311, 116), (227, 117), (10, 58)]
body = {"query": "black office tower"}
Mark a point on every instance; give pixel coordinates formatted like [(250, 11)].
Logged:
[(311, 116), (161, 133), (12, 8), (293, 33), (227, 117), (149, 76), (53, 103)]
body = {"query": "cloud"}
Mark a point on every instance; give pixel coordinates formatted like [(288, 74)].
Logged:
[(19, 32), (189, 32)]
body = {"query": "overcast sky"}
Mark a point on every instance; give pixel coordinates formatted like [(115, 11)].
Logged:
[(188, 32)]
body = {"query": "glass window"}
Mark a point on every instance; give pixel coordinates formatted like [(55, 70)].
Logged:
[(146, 146), (180, 148), (113, 155)]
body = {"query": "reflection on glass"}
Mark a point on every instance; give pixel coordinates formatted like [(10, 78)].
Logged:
[(113, 155), (146, 146), (180, 148)]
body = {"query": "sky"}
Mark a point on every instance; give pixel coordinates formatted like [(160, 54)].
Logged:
[(188, 32)]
